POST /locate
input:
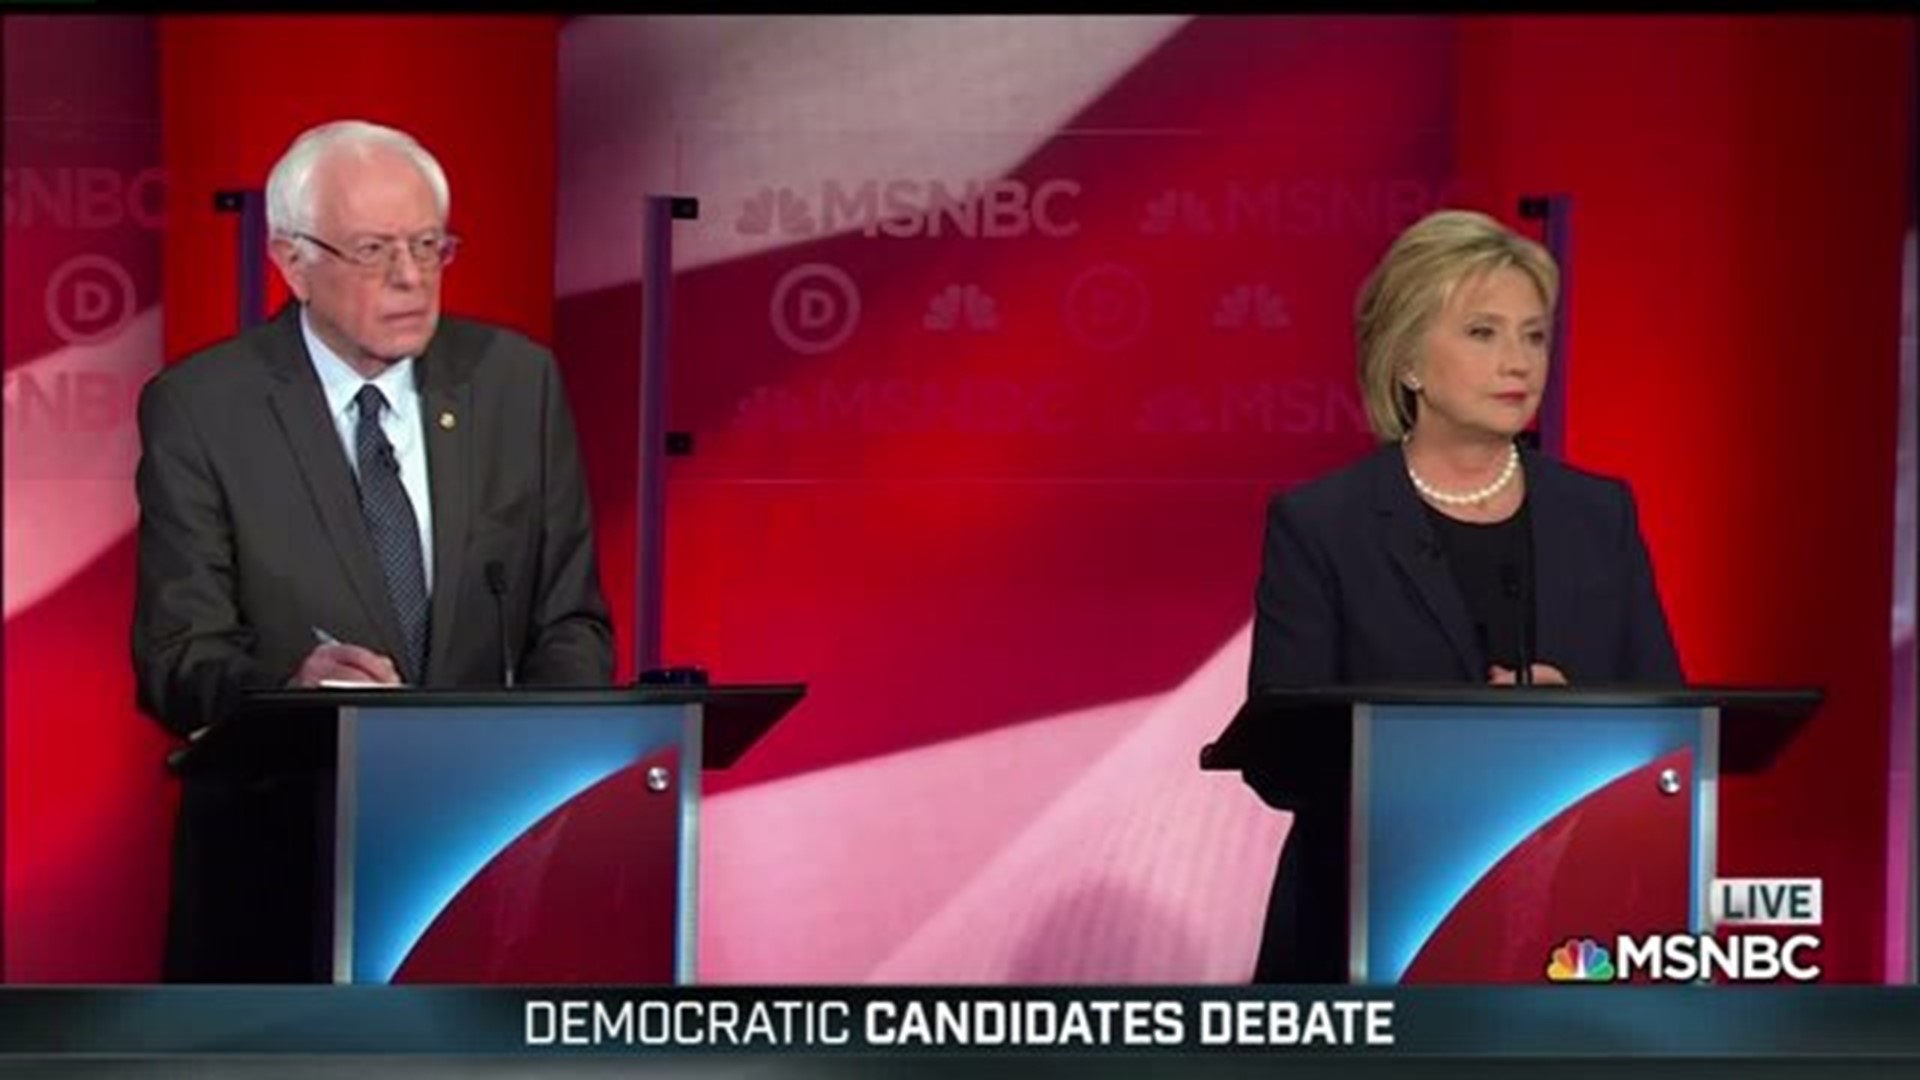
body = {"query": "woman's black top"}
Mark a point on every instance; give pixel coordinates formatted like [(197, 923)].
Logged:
[(1493, 566)]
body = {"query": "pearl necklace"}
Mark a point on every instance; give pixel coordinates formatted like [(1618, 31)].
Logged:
[(1472, 497)]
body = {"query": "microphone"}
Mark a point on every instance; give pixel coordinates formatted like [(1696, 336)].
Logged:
[(497, 585), (1515, 589)]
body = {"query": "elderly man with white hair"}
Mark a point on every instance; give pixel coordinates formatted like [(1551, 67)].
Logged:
[(361, 490)]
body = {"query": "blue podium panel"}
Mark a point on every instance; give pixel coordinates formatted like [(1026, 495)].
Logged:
[(1478, 819), (511, 843)]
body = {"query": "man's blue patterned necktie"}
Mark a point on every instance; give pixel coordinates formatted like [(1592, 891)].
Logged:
[(394, 530)]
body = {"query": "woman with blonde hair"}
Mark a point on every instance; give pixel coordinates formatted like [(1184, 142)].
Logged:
[(1449, 554)]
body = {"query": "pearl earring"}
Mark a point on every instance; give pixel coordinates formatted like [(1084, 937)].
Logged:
[(1412, 383)]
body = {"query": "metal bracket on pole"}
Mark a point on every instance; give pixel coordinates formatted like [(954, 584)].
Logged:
[(251, 205), (1557, 213), (656, 281)]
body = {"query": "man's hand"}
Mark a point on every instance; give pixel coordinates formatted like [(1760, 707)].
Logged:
[(349, 663), (1543, 675)]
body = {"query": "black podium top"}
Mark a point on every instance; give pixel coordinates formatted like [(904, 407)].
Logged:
[(294, 727), (1313, 719)]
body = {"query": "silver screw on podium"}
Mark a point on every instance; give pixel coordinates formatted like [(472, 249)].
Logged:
[(1669, 781), (658, 779)]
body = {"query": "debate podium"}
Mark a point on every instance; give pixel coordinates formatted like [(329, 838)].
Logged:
[(526, 836), (1486, 827)]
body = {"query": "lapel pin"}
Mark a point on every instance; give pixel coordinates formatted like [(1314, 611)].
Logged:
[(446, 421)]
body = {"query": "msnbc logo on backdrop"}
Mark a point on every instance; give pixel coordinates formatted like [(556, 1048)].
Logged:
[(1733, 957)]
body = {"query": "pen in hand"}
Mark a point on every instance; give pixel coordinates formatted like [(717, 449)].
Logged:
[(325, 639)]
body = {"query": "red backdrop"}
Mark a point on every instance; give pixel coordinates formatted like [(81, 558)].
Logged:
[(1741, 194)]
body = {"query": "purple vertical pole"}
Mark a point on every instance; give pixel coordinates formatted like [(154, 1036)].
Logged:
[(1903, 779), (251, 205), (656, 306), (1557, 213)]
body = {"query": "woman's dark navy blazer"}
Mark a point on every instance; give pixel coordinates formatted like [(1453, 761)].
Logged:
[(1355, 590)]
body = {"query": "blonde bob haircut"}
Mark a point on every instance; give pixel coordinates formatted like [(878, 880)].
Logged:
[(1412, 284)]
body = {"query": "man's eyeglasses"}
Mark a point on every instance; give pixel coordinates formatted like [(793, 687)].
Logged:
[(429, 252)]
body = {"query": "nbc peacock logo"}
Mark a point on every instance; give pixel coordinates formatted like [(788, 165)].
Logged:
[(1580, 960)]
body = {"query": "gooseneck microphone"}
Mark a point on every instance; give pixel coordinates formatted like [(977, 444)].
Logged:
[(1514, 586), (497, 585)]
